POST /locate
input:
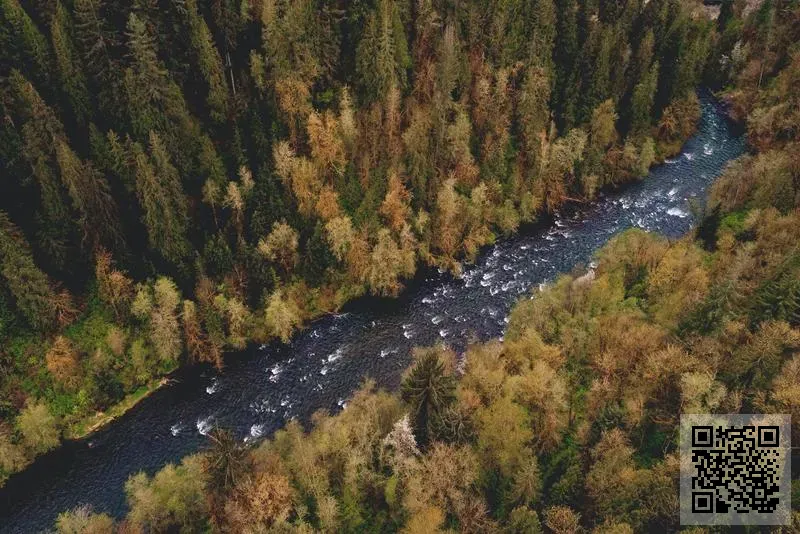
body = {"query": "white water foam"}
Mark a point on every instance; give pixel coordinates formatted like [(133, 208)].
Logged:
[(337, 355), (213, 387), (386, 352), (204, 426), (275, 372), (677, 212)]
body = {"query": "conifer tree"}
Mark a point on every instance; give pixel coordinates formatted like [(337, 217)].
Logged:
[(91, 198), (97, 42), (382, 56), (596, 71), (162, 200), (208, 60), (643, 100), (30, 287), (428, 389), (24, 38), (566, 49), (70, 70), (40, 131)]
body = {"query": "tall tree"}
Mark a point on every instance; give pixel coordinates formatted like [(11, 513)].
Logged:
[(91, 198), (428, 389), (70, 70), (30, 287), (162, 199), (97, 42), (382, 57), (22, 40), (642, 101), (208, 61), (565, 53)]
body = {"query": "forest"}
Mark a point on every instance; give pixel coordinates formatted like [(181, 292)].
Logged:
[(182, 178), (570, 423)]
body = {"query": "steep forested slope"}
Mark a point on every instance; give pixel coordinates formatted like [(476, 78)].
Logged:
[(180, 177)]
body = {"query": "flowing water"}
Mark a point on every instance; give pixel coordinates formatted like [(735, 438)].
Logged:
[(264, 387)]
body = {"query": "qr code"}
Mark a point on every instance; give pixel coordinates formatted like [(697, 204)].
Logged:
[(735, 469)]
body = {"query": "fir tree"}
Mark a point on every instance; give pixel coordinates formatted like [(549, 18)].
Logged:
[(162, 200), (30, 287)]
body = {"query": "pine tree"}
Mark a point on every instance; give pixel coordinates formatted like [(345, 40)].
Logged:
[(428, 389), (643, 100), (146, 80), (382, 56), (534, 116), (71, 75), (97, 43), (567, 84), (208, 60), (162, 200), (30, 287), (91, 198), (543, 35), (596, 72), (23, 39), (40, 130), (156, 103)]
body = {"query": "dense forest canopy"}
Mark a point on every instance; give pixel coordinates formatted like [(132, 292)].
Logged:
[(567, 425), (181, 177), (570, 423)]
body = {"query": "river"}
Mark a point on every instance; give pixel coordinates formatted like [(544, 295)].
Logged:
[(264, 387)]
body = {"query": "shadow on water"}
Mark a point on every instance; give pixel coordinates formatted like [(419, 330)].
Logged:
[(264, 387)]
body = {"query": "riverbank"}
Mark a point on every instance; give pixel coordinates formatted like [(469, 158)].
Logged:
[(85, 427), (262, 389), (327, 301)]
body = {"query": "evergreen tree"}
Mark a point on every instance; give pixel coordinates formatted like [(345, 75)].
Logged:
[(567, 86), (643, 100), (40, 132), (97, 42), (428, 389), (208, 60), (70, 69), (91, 198), (162, 200), (22, 40), (30, 287), (382, 56)]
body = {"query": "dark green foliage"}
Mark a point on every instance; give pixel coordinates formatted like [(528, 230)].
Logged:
[(147, 140), (779, 297), (382, 57), (227, 461), (29, 286), (428, 389)]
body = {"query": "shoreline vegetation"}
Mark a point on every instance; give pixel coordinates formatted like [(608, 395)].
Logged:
[(567, 425), (183, 178), (570, 424), (84, 429)]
